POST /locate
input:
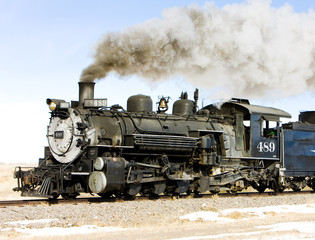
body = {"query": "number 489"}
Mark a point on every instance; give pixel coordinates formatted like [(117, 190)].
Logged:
[(266, 147)]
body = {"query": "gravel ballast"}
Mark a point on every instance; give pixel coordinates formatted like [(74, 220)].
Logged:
[(138, 213)]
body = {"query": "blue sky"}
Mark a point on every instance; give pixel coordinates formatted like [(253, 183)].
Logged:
[(44, 46)]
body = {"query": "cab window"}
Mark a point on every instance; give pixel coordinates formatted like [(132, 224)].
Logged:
[(268, 128)]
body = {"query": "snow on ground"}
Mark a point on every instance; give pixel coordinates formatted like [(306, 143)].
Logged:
[(303, 229), (227, 215), (234, 214), (27, 222), (56, 231), (21, 227)]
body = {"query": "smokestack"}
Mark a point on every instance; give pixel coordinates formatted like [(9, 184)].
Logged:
[(86, 91)]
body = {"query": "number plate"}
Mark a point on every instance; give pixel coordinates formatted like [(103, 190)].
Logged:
[(58, 134), (266, 147)]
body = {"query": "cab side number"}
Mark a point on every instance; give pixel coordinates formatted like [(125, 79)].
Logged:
[(266, 147)]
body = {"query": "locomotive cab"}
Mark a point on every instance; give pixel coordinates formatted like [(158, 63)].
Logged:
[(257, 128)]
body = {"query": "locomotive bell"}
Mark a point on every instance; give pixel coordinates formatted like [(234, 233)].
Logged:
[(162, 103), (163, 106)]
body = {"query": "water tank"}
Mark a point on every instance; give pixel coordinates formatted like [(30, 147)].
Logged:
[(139, 103), (307, 116), (183, 107)]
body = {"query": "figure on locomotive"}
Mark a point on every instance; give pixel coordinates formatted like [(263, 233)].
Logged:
[(109, 151)]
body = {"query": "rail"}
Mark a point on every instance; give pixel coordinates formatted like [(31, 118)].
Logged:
[(29, 202)]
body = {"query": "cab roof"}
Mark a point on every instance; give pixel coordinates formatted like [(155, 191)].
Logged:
[(243, 105)]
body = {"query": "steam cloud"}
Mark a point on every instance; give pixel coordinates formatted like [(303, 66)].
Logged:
[(249, 49)]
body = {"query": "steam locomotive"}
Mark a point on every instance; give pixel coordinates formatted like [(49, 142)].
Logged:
[(111, 151)]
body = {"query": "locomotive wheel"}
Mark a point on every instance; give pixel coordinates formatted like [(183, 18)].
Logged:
[(214, 192), (193, 190), (69, 196), (190, 192), (196, 194), (170, 189), (182, 187), (133, 189), (159, 188), (232, 192), (296, 189), (54, 196), (105, 195), (153, 190), (276, 187), (313, 184), (146, 193), (261, 188), (280, 190)]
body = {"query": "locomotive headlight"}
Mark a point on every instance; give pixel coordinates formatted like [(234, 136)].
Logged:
[(57, 104), (52, 106)]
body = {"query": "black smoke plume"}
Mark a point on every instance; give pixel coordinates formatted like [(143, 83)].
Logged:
[(248, 49)]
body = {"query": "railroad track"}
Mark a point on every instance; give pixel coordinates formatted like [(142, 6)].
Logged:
[(26, 202)]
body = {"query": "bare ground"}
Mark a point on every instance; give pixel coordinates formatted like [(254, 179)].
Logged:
[(7, 182)]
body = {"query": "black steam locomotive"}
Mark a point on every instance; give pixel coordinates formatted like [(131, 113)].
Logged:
[(112, 151)]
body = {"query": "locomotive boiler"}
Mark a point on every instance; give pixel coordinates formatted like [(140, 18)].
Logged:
[(93, 148)]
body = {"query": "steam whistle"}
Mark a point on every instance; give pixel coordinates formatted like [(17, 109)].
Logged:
[(196, 96)]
